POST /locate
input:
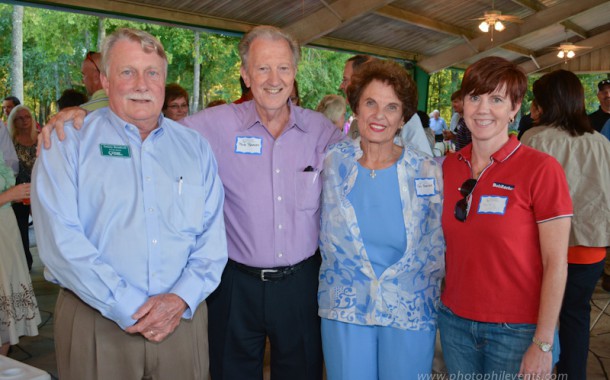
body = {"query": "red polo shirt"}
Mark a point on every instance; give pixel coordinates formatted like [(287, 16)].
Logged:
[(493, 262)]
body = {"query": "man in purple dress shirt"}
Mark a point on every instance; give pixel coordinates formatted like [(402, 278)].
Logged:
[(270, 154)]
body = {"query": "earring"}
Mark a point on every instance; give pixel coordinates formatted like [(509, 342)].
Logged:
[(511, 120)]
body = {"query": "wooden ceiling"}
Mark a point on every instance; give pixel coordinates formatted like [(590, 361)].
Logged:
[(434, 34)]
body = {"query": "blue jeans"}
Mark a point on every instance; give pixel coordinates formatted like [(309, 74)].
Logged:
[(471, 347)]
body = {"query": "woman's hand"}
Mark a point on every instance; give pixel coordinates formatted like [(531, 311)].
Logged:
[(15, 193)]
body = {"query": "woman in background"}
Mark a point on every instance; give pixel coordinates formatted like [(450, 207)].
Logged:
[(334, 108), (562, 129), (380, 239), (19, 313), (506, 219), (176, 104), (22, 126)]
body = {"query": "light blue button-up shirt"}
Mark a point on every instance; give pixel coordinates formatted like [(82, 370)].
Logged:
[(119, 219)]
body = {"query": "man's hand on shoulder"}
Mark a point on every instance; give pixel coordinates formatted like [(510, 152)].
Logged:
[(158, 317), (74, 114)]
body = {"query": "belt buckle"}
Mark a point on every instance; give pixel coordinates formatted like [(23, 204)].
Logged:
[(263, 271)]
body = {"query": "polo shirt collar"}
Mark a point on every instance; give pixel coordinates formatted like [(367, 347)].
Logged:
[(501, 155)]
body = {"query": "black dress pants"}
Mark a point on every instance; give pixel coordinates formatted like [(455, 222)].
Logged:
[(245, 310)]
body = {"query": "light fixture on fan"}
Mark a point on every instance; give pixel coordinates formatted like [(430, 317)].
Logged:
[(565, 53), (491, 21), (568, 50)]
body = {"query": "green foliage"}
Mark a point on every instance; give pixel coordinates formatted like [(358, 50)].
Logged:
[(320, 74), (442, 85)]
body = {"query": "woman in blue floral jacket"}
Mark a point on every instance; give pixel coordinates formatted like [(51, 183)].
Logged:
[(381, 239)]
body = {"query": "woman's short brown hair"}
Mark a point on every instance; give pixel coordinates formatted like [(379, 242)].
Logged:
[(174, 91), (489, 73), (390, 73)]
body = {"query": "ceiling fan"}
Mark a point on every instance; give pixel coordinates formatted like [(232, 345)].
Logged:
[(492, 20), (568, 50)]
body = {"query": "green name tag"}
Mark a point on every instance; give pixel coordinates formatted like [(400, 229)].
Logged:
[(115, 150)]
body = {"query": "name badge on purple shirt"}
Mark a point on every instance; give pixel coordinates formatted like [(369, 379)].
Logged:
[(249, 145)]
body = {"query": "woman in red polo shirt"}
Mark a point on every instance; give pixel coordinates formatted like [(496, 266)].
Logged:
[(506, 220)]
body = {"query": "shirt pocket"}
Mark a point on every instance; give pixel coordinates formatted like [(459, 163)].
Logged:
[(187, 215), (308, 187)]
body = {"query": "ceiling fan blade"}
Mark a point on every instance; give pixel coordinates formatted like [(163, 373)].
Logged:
[(509, 18)]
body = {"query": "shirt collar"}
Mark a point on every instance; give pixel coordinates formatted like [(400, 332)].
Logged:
[(501, 155), (252, 118), (132, 129)]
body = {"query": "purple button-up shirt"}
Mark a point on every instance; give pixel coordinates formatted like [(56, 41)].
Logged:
[(272, 203)]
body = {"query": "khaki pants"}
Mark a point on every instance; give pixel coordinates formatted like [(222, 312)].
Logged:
[(89, 346)]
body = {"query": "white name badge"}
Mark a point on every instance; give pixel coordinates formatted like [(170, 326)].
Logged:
[(249, 145), (491, 204), (425, 187)]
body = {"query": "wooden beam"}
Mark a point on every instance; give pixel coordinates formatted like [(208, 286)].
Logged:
[(533, 5), (517, 49), (405, 16), (596, 42), (324, 21), (575, 28), (537, 6), (356, 47), (147, 12), (549, 16)]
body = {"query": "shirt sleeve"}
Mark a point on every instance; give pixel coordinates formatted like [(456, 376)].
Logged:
[(70, 258), (8, 149), (209, 256)]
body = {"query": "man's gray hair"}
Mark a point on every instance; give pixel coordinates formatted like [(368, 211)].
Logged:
[(148, 42), (270, 33)]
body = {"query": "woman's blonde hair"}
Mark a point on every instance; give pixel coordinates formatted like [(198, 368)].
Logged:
[(11, 123)]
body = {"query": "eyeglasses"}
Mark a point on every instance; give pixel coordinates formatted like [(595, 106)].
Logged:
[(88, 58), (462, 206), (175, 107)]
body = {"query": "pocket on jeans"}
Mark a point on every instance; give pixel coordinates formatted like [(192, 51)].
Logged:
[(444, 309), (524, 328)]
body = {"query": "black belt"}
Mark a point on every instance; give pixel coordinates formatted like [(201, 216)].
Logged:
[(272, 274)]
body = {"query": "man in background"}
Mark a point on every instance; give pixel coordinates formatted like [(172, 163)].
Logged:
[(8, 104), (90, 69), (599, 117)]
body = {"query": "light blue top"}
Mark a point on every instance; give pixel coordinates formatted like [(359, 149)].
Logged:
[(406, 294), (119, 219), (376, 202)]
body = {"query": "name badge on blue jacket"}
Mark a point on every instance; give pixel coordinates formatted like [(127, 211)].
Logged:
[(249, 145), (425, 187), (111, 150)]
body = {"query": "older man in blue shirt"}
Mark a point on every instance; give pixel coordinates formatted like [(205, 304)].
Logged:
[(128, 215)]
